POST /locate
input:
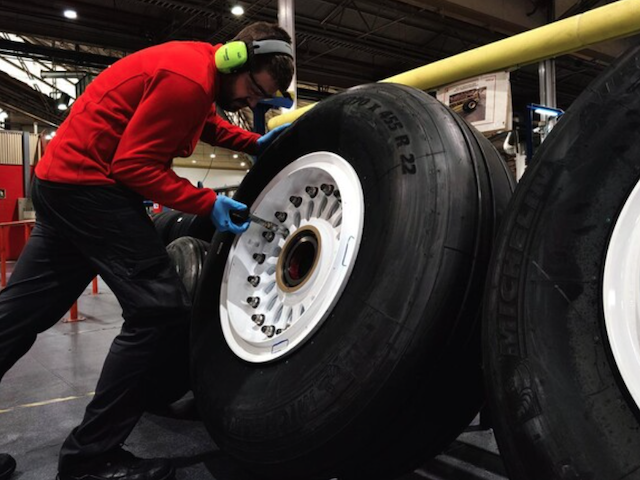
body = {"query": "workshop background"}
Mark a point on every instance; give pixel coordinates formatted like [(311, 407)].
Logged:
[(50, 50)]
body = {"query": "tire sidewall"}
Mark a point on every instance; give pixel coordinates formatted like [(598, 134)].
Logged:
[(551, 371), (329, 379)]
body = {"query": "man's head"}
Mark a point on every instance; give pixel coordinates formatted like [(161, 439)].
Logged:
[(263, 76)]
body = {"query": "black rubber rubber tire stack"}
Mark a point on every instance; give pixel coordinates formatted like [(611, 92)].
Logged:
[(561, 409), (172, 225), (170, 379), (394, 373), (188, 254), (163, 222)]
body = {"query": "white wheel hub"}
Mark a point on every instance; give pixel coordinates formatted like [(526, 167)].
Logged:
[(276, 290), (621, 293)]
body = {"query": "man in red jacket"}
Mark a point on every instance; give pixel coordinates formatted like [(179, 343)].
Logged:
[(114, 150)]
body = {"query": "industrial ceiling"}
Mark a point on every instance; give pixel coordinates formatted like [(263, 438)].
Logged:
[(340, 43)]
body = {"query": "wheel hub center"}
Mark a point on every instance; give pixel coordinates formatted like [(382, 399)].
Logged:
[(299, 259)]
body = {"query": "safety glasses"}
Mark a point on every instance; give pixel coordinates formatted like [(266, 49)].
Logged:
[(262, 91)]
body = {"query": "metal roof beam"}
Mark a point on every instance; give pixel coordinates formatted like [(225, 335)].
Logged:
[(18, 49)]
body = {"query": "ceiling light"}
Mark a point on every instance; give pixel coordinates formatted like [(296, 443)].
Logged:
[(243, 164), (70, 14), (63, 101), (193, 161), (213, 155), (247, 170), (235, 155), (237, 10)]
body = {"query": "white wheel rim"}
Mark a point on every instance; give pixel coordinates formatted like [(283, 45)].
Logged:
[(621, 287), (295, 311)]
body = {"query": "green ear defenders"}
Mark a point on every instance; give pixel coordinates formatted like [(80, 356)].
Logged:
[(234, 56)]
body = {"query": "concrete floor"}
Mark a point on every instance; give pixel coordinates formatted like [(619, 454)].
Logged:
[(44, 396)]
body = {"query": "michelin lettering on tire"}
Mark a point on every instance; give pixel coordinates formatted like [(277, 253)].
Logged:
[(561, 321)]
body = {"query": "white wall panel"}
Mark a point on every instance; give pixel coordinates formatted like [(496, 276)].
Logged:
[(10, 148)]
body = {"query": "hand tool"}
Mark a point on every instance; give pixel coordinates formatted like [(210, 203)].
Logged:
[(241, 216)]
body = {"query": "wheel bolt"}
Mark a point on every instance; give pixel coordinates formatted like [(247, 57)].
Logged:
[(278, 331), (281, 216), (259, 257), (327, 189), (254, 280), (258, 319), (297, 201), (312, 191), (269, 236), (269, 330), (253, 301)]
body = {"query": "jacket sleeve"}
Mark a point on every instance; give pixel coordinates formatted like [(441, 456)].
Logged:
[(168, 115), (220, 133)]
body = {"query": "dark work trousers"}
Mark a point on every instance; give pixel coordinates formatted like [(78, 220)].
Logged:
[(82, 231)]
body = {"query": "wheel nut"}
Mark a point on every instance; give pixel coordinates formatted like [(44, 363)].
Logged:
[(259, 257), (278, 331), (297, 201), (312, 191), (253, 301), (269, 330), (269, 236), (281, 216), (254, 280), (258, 319), (327, 189)]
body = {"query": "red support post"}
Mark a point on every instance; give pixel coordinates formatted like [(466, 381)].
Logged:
[(4, 244), (94, 290), (73, 315), (4, 253)]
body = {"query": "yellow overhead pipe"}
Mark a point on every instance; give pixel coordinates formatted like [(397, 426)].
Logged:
[(615, 20)]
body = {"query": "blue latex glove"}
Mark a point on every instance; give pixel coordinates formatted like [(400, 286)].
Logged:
[(267, 139), (220, 215)]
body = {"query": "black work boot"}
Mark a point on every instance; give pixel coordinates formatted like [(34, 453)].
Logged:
[(7, 466), (122, 465)]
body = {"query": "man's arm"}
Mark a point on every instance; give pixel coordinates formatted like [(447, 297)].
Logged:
[(167, 117), (218, 132)]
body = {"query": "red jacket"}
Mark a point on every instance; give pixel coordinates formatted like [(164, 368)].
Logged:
[(139, 114)]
